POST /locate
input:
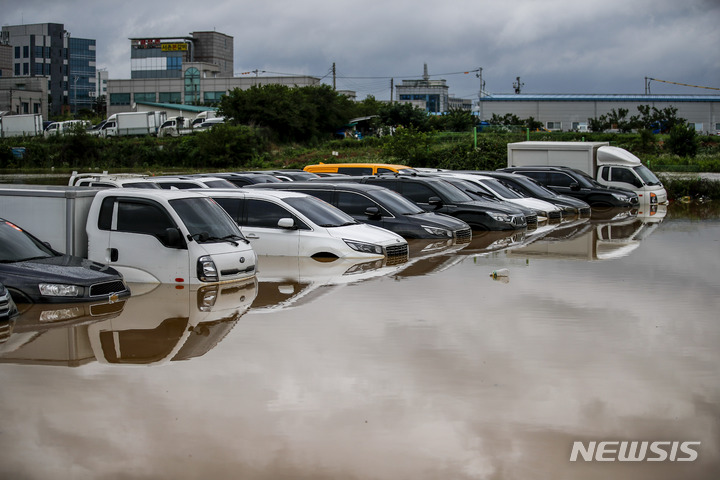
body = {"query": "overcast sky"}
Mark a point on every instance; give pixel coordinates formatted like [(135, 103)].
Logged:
[(554, 46)]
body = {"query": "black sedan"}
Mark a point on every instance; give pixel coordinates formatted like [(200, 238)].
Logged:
[(35, 273)]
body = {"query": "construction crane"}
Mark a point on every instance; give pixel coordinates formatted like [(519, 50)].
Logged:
[(649, 79)]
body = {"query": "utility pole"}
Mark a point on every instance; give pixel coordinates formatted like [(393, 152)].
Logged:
[(333, 73), (392, 84), (480, 93)]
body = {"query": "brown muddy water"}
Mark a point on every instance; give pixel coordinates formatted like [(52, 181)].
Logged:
[(604, 331)]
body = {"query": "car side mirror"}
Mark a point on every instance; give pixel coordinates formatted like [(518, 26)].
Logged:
[(287, 223), (437, 201), (372, 212), (575, 187)]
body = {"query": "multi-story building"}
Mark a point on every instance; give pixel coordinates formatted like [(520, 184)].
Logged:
[(68, 63), (193, 70), (424, 93)]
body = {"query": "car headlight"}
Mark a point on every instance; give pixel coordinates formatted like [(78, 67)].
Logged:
[(500, 217), (438, 232), (569, 209), (621, 198), (364, 247), (60, 290), (653, 198), (206, 270)]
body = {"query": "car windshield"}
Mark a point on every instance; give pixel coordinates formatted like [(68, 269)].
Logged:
[(396, 203), (320, 212), (499, 189), (585, 180), (219, 183), (531, 185), (452, 193), (647, 176), (206, 220), (16, 245)]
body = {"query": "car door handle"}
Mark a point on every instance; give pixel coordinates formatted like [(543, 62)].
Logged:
[(251, 236)]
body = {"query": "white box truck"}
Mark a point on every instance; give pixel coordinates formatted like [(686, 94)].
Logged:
[(610, 166), (129, 123), (19, 125), (175, 126), (148, 235)]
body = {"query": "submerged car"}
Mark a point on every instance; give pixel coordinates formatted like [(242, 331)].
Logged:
[(295, 224), (35, 273), (381, 207)]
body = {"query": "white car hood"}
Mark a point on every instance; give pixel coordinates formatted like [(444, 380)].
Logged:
[(536, 204), (362, 232)]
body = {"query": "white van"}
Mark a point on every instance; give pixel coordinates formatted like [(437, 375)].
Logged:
[(295, 224)]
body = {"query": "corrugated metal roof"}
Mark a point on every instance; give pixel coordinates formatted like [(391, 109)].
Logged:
[(599, 98)]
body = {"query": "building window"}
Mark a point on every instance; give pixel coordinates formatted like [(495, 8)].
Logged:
[(192, 85), (554, 125), (17, 52), (170, 97), (17, 69), (119, 99), (145, 97), (26, 51), (26, 69), (174, 63), (212, 97)]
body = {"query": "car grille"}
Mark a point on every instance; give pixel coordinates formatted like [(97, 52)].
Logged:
[(464, 235), (555, 214), (397, 253), (584, 210), (528, 219), (107, 288)]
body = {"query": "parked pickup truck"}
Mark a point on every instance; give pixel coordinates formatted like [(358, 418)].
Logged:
[(609, 166), (148, 235)]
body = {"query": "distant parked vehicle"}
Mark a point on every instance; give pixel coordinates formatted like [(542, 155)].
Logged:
[(532, 188), (66, 127), (567, 181), (294, 224), (381, 207), (358, 169), (106, 180), (436, 195), (184, 182), (245, 178), (543, 209), (19, 125)]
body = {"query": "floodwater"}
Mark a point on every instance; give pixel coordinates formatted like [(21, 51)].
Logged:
[(606, 330)]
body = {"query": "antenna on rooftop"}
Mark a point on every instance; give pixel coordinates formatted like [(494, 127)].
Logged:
[(517, 85)]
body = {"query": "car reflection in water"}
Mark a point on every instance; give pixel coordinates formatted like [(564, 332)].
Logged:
[(157, 324), (56, 334), (287, 282), (164, 322), (615, 234)]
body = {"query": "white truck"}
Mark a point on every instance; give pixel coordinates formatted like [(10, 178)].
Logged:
[(66, 127), (19, 125), (129, 123), (148, 235), (175, 126), (610, 166)]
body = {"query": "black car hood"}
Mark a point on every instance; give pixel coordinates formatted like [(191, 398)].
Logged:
[(433, 219), (60, 269)]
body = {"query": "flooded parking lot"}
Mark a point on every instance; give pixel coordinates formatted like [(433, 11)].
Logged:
[(605, 330)]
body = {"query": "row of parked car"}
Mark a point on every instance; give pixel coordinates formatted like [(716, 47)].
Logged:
[(323, 214)]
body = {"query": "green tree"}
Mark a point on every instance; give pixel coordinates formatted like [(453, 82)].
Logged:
[(299, 114), (403, 115), (662, 121), (458, 120), (683, 140)]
